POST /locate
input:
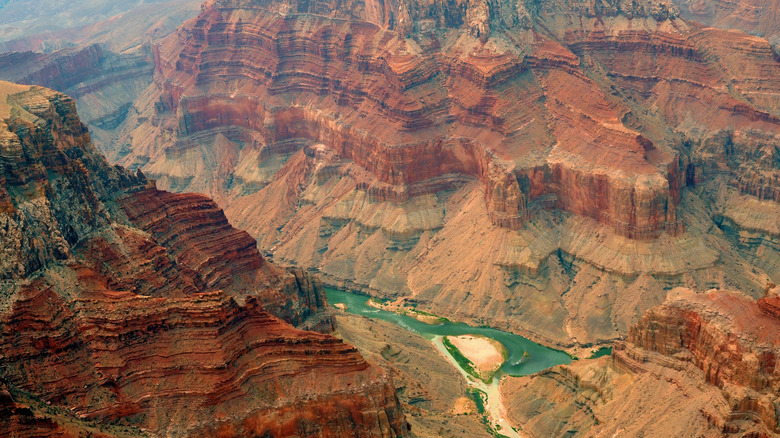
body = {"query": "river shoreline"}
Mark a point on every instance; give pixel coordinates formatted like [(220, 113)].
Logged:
[(484, 355), (518, 356)]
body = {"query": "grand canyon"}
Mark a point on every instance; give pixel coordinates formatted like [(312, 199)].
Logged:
[(185, 184)]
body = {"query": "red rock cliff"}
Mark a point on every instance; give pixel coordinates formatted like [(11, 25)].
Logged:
[(189, 366), (148, 311), (733, 339), (701, 364), (585, 152), (408, 111)]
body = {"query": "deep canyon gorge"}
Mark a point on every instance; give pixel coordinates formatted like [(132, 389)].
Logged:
[(584, 173)]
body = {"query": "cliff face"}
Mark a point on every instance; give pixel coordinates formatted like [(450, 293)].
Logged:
[(738, 345), (451, 109), (590, 155), (196, 233), (191, 366), (25, 416), (700, 364), (128, 311), (44, 217)]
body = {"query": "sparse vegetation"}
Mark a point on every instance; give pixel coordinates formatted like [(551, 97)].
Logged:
[(480, 398), (462, 360), (407, 310)]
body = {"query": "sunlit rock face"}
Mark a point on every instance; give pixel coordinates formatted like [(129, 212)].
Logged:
[(702, 364), (552, 168), (130, 311), (407, 111)]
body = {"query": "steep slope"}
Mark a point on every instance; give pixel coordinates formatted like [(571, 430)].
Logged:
[(549, 168), (698, 365), (130, 311), (104, 65)]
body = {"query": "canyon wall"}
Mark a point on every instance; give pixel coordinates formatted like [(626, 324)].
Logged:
[(552, 168), (101, 56), (702, 364), (441, 110), (129, 311)]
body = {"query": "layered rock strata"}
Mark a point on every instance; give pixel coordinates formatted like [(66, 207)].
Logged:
[(456, 109), (548, 168), (200, 365), (128, 311), (700, 364)]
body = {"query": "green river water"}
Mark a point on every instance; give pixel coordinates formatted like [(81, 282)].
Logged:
[(523, 356)]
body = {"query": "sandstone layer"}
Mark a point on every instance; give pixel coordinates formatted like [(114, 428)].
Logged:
[(699, 365), (100, 56), (128, 311), (548, 168), (104, 83)]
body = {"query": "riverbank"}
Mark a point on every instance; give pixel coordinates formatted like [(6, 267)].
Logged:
[(402, 307), (431, 390), (520, 356), (523, 356)]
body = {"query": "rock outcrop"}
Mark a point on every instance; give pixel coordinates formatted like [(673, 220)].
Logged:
[(99, 53), (26, 416), (700, 364), (442, 112), (129, 311), (200, 365), (197, 234)]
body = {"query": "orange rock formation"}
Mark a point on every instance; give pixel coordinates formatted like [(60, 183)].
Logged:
[(700, 364), (551, 168)]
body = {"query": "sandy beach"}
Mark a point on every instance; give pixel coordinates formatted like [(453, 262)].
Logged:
[(399, 306), (486, 354)]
